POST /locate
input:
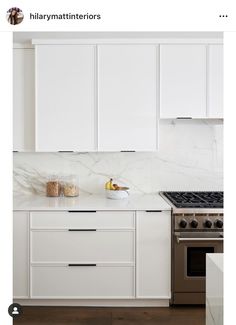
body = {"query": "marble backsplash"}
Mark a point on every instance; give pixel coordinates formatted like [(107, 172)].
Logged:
[(190, 157)]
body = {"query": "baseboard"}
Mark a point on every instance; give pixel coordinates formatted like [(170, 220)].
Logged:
[(95, 302)]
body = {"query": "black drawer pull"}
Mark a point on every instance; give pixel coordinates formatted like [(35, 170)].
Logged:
[(82, 229), (184, 118), (153, 210), (82, 264), (82, 211)]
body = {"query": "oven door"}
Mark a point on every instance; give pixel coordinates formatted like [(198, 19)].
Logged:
[(190, 251)]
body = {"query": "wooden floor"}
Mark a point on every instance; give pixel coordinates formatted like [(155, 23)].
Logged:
[(111, 316)]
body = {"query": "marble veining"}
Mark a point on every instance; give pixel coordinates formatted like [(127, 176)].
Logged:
[(214, 289), (190, 157)]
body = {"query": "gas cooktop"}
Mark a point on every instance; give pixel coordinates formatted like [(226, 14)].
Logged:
[(199, 200)]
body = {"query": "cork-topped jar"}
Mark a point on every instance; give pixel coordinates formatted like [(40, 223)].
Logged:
[(53, 186), (70, 186)]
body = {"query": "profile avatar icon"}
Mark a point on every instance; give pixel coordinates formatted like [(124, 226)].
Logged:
[(15, 310), (15, 16)]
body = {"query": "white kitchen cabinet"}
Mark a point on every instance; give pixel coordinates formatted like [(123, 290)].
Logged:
[(215, 81), (153, 262), (82, 219), (84, 282), (84, 246), (127, 92), (20, 254), (183, 81), (65, 98), (23, 99), (99, 244)]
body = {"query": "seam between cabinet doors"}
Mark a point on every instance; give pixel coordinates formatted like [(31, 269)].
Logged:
[(35, 99), (207, 80), (135, 256), (29, 259), (96, 133), (66, 229), (97, 96), (158, 92)]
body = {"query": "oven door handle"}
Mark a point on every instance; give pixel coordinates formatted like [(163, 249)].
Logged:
[(179, 239)]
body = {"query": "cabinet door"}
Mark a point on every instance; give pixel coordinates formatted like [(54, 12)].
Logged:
[(23, 99), (153, 254), (65, 101), (215, 81), (82, 282), (183, 81), (127, 114), (20, 254)]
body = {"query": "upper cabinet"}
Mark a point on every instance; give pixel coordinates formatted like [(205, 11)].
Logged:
[(23, 99), (65, 98), (183, 81), (191, 81), (215, 81), (109, 95), (127, 109)]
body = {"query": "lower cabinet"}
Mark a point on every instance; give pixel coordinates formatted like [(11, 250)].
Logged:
[(82, 255), (153, 262), (82, 282), (82, 246), (21, 254), (63, 255)]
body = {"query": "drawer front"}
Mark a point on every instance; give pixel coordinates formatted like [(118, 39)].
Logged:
[(82, 282), (99, 219), (82, 246)]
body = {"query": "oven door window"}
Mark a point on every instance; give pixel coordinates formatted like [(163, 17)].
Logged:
[(196, 260)]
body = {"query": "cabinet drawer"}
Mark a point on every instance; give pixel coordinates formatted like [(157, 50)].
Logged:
[(82, 282), (82, 246), (99, 219)]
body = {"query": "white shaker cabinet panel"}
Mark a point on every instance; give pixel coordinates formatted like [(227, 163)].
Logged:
[(215, 81), (65, 98), (20, 254), (183, 81), (82, 246), (127, 112), (23, 100), (86, 282), (153, 262)]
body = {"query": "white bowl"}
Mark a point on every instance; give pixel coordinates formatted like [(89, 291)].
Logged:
[(117, 194)]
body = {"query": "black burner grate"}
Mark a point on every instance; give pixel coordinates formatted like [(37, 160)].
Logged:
[(196, 199)]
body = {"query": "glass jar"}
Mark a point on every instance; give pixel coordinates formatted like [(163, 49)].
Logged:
[(70, 186), (53, 186)]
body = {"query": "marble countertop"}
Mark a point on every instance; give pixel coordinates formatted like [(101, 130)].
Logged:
[(214, 289), (89, 202), (217, 259)]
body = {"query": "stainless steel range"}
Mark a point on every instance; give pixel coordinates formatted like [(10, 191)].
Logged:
[(197, 229)]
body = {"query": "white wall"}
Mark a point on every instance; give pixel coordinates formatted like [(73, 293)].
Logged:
[(190, 157)]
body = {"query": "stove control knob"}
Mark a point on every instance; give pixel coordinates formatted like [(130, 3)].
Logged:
[(194, 223), (183, 223), (208, 223), (219, 223)]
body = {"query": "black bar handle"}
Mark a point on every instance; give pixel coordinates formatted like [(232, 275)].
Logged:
[(65, 151), (82, 229), (82, 264), (127, 151), (153, 210), (82, 211), (184, 118)]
